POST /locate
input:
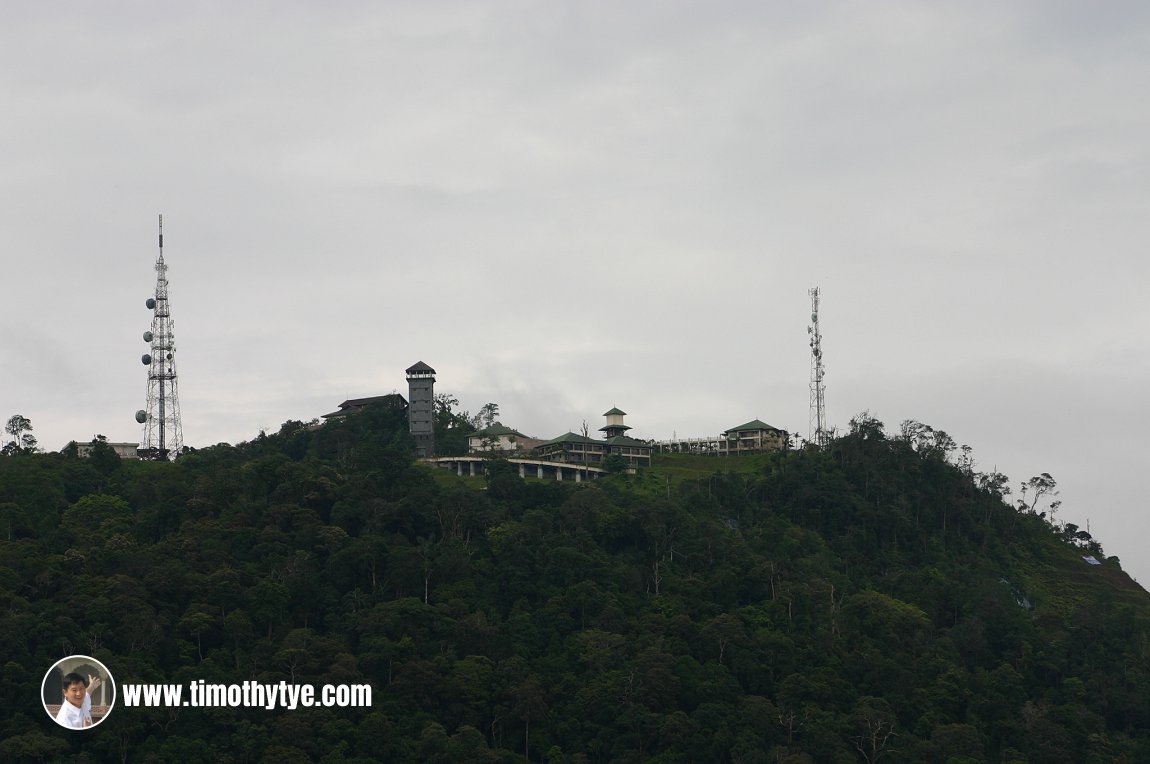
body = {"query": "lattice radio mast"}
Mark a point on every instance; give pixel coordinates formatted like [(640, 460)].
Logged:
[(818, 433), (163, 433)]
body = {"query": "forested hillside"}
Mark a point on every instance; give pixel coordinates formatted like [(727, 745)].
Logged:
[(877, 601)]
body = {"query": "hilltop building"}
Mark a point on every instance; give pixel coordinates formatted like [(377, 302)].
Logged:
[(356, 405), (573, 448), (756, 436), (753, 437), (579, 455), (420, 407), (500, 439), (122, 450)]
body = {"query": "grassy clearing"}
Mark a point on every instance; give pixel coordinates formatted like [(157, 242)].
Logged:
[(1073, 584), (698, 465), (670, 471)]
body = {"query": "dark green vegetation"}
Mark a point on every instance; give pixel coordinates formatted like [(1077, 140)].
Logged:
[(874, 602)]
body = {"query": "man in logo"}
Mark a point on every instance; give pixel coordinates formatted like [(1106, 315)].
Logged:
[(76, 711)]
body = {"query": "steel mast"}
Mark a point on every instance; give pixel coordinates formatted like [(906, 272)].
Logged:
[(163, 433), (818, 433)]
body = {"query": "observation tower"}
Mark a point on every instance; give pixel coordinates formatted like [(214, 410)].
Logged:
[(421, 408)]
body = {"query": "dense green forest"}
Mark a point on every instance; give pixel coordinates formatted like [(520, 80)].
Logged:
[(879, 600)]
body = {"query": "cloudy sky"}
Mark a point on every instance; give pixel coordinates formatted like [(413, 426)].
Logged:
[(569, 206)]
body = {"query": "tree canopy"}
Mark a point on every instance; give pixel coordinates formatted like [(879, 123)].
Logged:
[(876, 600), (19, 428)]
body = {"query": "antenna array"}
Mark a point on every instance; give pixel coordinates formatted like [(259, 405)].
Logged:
[(163, 433), (818, 433)]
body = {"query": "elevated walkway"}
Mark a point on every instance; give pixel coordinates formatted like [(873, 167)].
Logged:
[(473, 465)]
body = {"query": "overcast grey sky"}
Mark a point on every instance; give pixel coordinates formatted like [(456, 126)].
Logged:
[(569, 206)]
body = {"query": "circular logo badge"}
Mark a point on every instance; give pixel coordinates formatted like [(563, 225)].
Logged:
[(78, 692)]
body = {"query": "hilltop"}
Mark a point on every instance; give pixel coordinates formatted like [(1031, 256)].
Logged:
[(878, 600)]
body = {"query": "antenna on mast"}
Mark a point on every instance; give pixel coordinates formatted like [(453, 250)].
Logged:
[(818, 433)]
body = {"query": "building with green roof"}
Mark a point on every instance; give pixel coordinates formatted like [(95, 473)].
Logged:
[(753, 437), (580, 449), (500, 439)]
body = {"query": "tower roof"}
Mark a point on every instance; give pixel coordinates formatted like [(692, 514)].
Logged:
[(615, 411), (420, 368)]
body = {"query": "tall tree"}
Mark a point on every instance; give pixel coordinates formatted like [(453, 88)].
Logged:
[(20, 428), (486, 416), (1038, 486)]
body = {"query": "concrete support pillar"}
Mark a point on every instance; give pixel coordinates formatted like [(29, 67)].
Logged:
[(471, 466), (459, 469), (522, 471), (539, 471), (578, 476), (558, 472)]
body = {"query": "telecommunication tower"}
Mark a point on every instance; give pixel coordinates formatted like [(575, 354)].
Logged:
[(818, 425), (163, 434)]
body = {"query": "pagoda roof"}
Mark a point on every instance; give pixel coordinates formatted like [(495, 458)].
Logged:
[(623, 440), (615, 411), (571, 437), (754, 424), (495, 430), (355, 404), (420, 367)]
